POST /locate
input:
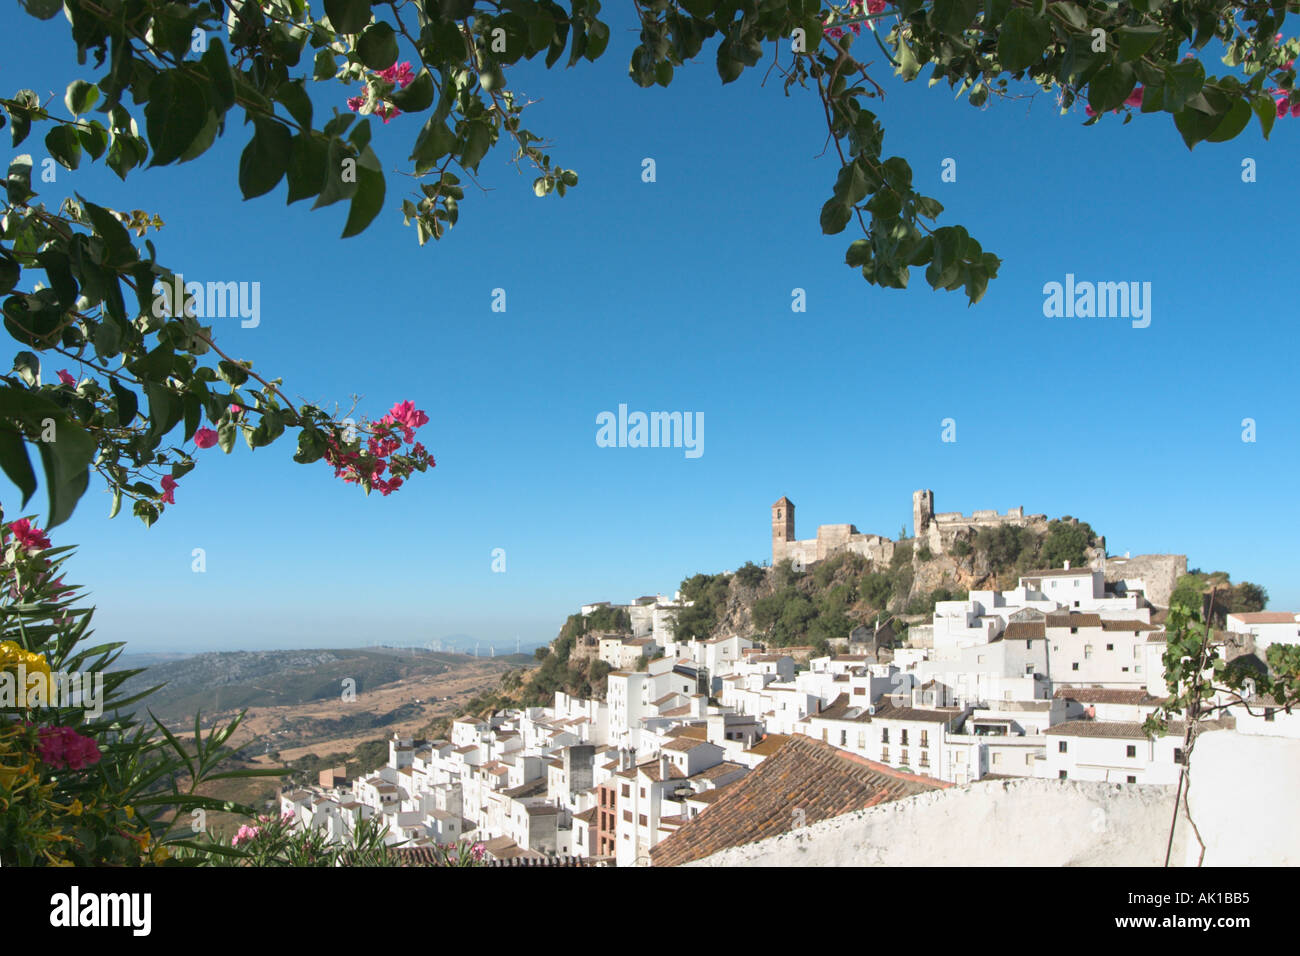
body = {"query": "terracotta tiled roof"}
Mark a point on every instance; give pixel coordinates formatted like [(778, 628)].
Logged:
[(805, 774), (1024, 631), (587, 816), (1128, 626), (1122, 729), (1074, 620), (1107, 695), (1265, 617), (768, 745), (699, 732), (684, 744)]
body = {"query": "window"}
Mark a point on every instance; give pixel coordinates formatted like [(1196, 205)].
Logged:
[(1130, 751), (1110, 647), (844, 738), (627, 790), (884, 735), (1060, 747), (884, 755), (627, 816), (925, 738), (903, 756), (1087, 652), (997, 759), (642, 820), (1269, 714), (862, 740), (1074, 630), (1076, 603), (903, 737), (1029, 670), (643, 793), (1178, 755), (1061, 775), (1074, 666), (1132, 779)]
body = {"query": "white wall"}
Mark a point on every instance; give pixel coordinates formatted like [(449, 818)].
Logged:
[(1241, 785)]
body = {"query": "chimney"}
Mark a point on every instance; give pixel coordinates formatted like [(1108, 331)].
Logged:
[(664, 767), (1067, 564)]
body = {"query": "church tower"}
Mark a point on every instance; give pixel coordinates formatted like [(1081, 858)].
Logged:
[(782, 528)]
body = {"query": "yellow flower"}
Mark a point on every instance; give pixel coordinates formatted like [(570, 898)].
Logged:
[(11, 656), (76, 808), (161, 854), (130, 812)]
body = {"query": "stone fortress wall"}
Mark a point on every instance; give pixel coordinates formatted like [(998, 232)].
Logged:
[(1156, 574)]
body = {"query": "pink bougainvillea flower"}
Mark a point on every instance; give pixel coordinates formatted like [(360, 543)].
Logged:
[(63, 747), (356, 102), (205, 438), (29, 536), (1134, 98), (65, 378), (386, 113), (399, 73), (235, 409), (169, 486), (876, 6)]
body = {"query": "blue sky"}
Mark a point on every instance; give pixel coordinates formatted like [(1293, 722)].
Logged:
[(676, 295)]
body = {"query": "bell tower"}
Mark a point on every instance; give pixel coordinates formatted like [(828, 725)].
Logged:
[(782, 528)]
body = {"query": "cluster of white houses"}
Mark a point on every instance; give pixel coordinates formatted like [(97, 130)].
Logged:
[(1052, 679)]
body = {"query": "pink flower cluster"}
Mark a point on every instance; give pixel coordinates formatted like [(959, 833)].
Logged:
[(384, 442), (1133, 99), (64, 747), (30, 537), (856, 8), (245, 834), (399, 75)]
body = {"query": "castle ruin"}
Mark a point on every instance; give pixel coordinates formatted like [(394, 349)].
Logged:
[(938, 532)]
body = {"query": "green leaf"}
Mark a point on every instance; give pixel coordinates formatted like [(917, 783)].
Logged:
[(94, 138), (43, 9), (835, 216), (218, 69), (377, 46), (64, 145), (478, 140), (67, 461), (348, 16), (295, 99), (18, 182), (308, 157), (858, 254), (369, 197), (953, 16), (128, 405), (1182, 82), (1135, 41), (165, 409), (265, 159), (336, 185), (174, 116), (434, 142), (1232, 122), (226, 433), (1111, 86), (1021, 40), (80, 97), (16, 464), (418, 95)]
